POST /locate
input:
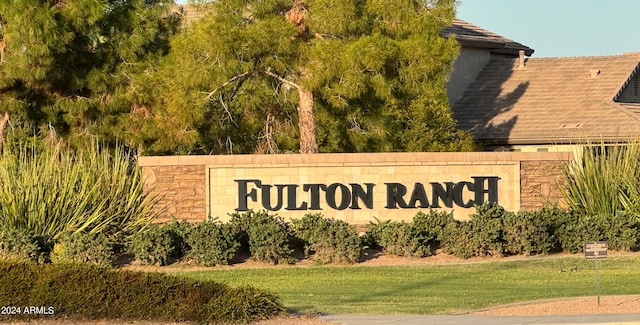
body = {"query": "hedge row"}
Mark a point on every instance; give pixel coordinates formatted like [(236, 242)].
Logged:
[(263, 237), (494, 231), (491, 231), (84, 291)]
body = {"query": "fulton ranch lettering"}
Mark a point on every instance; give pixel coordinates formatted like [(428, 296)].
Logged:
[(340, 196)]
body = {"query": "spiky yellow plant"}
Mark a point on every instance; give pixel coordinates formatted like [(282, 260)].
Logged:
[(604, 179), (51, 190)]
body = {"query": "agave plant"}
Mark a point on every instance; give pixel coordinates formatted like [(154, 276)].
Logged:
[(52, 190)]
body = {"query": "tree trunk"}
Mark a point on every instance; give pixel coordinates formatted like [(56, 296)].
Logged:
[(4, 119), (306, 122)]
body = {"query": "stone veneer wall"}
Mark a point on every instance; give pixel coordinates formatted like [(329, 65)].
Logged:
[(183, 190), (183, 180), (540, 182)]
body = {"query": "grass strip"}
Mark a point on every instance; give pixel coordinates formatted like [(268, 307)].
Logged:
[(432, 289)]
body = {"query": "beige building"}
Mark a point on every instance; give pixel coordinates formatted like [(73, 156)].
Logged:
[(510, 102), (548, 104), (516, 103), (478, 47)]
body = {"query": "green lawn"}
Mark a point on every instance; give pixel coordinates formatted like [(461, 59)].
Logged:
[(437, 289)]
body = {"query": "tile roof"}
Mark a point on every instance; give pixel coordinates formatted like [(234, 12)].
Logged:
[(633, 107), (551, 100), (471, 35)]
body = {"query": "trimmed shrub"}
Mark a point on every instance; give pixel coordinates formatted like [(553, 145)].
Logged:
[(620, 231), (212, 243), (460, 240), (431, 229), (269, 242), (398, 238), (179, 231), (245, 304), (341, 244), (16, 280), (19, 244), (371, 238), (240, 223), (480, 236), (528, 232), (83, 291), (154, 245), (331, 240), (83, 247), (573, 233), (487, 225), (311, 228), (264, 235)]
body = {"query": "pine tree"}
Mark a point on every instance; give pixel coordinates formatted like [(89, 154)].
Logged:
[(68, 68), (313, 75)]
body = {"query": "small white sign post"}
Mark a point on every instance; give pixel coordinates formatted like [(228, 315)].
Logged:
[(596, 250)]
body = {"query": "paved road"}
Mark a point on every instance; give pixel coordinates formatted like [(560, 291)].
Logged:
[(625, 319)]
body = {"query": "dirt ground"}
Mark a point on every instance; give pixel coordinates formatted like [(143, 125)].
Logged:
[(572, 306)]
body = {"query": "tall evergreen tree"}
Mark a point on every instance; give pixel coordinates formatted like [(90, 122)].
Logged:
[(69, 67), (309, 76)]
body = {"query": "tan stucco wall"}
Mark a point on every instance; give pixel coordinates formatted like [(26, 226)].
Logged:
[(468, 64), (195, 186), (224, 190), (547, 147)]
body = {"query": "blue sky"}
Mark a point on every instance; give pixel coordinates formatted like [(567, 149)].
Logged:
[(560, 27)]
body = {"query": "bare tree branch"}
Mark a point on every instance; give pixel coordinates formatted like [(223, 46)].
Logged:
[(290, 83), (1, 51), (242, 75), (226, 110), (229, 145), (266, 138), (4, 120)]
